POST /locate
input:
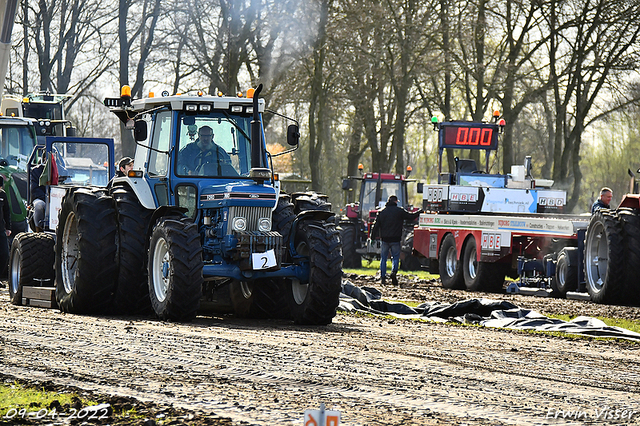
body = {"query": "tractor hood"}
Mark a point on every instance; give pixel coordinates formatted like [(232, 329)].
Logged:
[(237, 194)]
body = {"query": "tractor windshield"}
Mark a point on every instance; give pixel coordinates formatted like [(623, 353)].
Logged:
[(214, 145), (17, 144), (387, 188)]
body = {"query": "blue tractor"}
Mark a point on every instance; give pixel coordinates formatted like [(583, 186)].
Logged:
[(201, 222)]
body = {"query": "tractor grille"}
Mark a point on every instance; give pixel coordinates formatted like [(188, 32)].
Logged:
[(257, 242), (251, 214)]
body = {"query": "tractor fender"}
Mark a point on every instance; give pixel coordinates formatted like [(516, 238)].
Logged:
[(141, 189), (164, 211)]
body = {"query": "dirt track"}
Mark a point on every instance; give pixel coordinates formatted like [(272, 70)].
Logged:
[(374, 371)]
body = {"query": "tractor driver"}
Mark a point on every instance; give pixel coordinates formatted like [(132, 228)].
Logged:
[(204, 157)]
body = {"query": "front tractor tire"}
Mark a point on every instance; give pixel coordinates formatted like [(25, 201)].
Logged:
[(86, 252), (604, 258), (175, 269), (30, 263), (315, 302)]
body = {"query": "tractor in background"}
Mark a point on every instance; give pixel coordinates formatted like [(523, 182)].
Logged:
[(357, 220)]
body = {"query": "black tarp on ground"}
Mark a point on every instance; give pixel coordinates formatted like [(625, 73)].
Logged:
[(485, 312)]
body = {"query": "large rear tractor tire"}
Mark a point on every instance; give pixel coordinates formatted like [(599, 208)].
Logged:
[(175, 269), (449, 267), (566, 278), (31, 263), (486, 276), (604, 258), (86, 252), (132, 291), (315, 301), (352, 259), (630, 219)]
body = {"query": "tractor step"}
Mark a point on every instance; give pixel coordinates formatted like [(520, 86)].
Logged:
[(534, 291), (42, 297), (578, 296)]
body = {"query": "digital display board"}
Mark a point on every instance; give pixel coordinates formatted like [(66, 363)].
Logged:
[(467, 135)]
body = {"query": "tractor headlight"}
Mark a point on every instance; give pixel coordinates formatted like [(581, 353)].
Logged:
[(264, 224), (239, 223)]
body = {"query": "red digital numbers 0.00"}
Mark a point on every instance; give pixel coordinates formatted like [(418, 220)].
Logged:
[(469, 137), (473, 136)]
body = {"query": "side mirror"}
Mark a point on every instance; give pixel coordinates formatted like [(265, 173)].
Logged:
[(71, 131), (420, 187), (346, 184), (293, 135), (140, 130)]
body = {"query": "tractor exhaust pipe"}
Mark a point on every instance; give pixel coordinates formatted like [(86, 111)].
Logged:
[(256, 132)]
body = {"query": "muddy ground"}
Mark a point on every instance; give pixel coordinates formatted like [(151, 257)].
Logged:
[(375, 371)]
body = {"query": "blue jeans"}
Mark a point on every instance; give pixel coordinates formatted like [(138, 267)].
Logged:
[(395, 257)]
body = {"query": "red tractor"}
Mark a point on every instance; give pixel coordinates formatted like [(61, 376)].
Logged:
[(355, 224)]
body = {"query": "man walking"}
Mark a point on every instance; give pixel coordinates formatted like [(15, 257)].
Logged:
[(388, 225)]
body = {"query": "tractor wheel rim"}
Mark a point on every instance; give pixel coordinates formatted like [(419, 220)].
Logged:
[(70, 253), (562, 274), (451, 261), (299, 290), (473, 264), (596, 258), (161, 270), (15, 272)]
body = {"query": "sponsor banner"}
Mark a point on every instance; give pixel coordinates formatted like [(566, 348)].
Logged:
[(548, 226), (507, 200)]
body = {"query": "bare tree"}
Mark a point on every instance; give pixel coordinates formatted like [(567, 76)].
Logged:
[(137, 21), (71, 40), (589, 49)]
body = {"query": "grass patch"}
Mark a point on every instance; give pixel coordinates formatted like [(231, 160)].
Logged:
[(371, 268), (26, 404), (631, 325), (16, 395)]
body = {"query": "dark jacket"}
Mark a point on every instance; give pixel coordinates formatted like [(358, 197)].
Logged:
[(389, 222), (37, 190), (5, 223), (598, 205)]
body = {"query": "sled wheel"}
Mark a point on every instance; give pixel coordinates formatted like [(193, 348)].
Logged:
[(487, 276), (449, 267)]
